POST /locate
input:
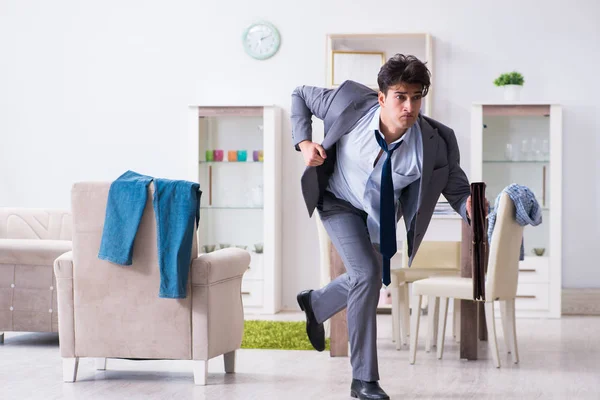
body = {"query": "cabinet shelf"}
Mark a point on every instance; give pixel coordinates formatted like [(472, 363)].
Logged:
[(229, 162)]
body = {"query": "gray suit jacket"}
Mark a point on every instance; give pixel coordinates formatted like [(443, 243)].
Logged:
[(340, 109)]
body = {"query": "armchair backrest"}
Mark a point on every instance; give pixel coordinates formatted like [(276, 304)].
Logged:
[(117, 311)]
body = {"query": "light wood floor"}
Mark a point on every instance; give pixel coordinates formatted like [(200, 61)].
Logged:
[(560, 359)]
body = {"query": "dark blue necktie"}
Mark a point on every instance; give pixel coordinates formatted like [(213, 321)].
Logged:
[(387, 210)]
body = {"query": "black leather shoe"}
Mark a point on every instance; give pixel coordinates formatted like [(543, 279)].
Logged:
[(367, 390), (314, 330)]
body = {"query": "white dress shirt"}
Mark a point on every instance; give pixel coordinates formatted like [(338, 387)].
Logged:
[(357, 181)]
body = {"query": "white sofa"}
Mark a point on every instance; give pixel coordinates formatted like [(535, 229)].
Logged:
[(30, 241)]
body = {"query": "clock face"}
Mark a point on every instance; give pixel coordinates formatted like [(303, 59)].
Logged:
[(261, 40)]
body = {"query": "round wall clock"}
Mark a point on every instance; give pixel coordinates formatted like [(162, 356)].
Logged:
[(261, 40)]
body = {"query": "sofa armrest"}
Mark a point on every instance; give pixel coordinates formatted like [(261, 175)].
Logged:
[(219, 266), (32, 251), (63, 271)]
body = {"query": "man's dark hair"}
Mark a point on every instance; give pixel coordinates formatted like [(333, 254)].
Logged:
[(403, 69)]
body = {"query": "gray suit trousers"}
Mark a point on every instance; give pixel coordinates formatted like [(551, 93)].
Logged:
[(358, 289)]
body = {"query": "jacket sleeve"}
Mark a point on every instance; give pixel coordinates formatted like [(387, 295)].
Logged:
[(457, 188), (306, 102)]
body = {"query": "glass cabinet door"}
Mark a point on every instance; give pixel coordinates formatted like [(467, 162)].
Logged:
[(231, 180), (516, 149)]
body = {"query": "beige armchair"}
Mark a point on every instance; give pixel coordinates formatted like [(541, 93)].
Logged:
[(113, 311), (30, 241)]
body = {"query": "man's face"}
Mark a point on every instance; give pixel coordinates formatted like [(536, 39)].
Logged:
[(401, 104)]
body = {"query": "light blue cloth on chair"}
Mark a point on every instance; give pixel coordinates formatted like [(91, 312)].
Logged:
[(528, 210), (177, 210)]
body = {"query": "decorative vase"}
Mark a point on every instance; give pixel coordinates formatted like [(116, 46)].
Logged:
[(208, 248), (539, 251), (512, 92)]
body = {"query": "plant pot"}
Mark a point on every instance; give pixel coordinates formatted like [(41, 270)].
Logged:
[(512, 92)]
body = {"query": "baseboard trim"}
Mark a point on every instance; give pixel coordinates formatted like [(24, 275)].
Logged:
[(581, 301)]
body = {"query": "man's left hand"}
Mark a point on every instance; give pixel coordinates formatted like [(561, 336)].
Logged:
[(487, 207)]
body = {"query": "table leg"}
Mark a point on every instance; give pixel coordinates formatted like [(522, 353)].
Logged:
[(338, 323), (468, 308)]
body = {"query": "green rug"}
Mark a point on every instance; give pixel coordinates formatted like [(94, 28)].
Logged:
[(282, 335)]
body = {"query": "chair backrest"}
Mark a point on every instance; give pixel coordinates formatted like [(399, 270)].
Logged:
[(35, 223), (434, 254), (117, 309), (503, 262)]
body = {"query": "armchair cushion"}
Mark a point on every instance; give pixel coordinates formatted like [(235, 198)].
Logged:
[(453, 287), (32, 251)]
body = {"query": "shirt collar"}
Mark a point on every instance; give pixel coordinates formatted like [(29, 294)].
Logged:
[(374, 125)]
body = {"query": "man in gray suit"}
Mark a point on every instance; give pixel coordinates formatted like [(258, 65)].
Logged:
[(356, 187)]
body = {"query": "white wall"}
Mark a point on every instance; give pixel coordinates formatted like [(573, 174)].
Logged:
[(91, 89)]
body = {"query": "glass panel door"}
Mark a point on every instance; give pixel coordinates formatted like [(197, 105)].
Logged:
[(231, 179), (516, 149)]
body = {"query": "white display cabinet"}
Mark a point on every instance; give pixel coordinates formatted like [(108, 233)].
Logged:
[(522, 143), (236, 158)]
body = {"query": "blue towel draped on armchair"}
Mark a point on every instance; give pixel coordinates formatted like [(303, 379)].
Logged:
[(177, 209)]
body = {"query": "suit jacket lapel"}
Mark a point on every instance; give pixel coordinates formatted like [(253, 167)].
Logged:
[(429, 137), (412, 196)]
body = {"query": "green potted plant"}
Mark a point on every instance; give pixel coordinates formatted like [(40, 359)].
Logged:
[(512, 82)]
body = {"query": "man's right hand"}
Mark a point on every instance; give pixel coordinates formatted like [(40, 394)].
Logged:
[(314, 153)]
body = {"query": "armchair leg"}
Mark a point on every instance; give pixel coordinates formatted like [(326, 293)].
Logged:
[(200, 372), (395, 301), (1, 337), (491, 327), (229, 359), (400, 306), (432, 323), (405, 314), (101, 364), (442, 327), (512, 329), (414, 329), (70, 366), (436, 320), (456, 323)]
